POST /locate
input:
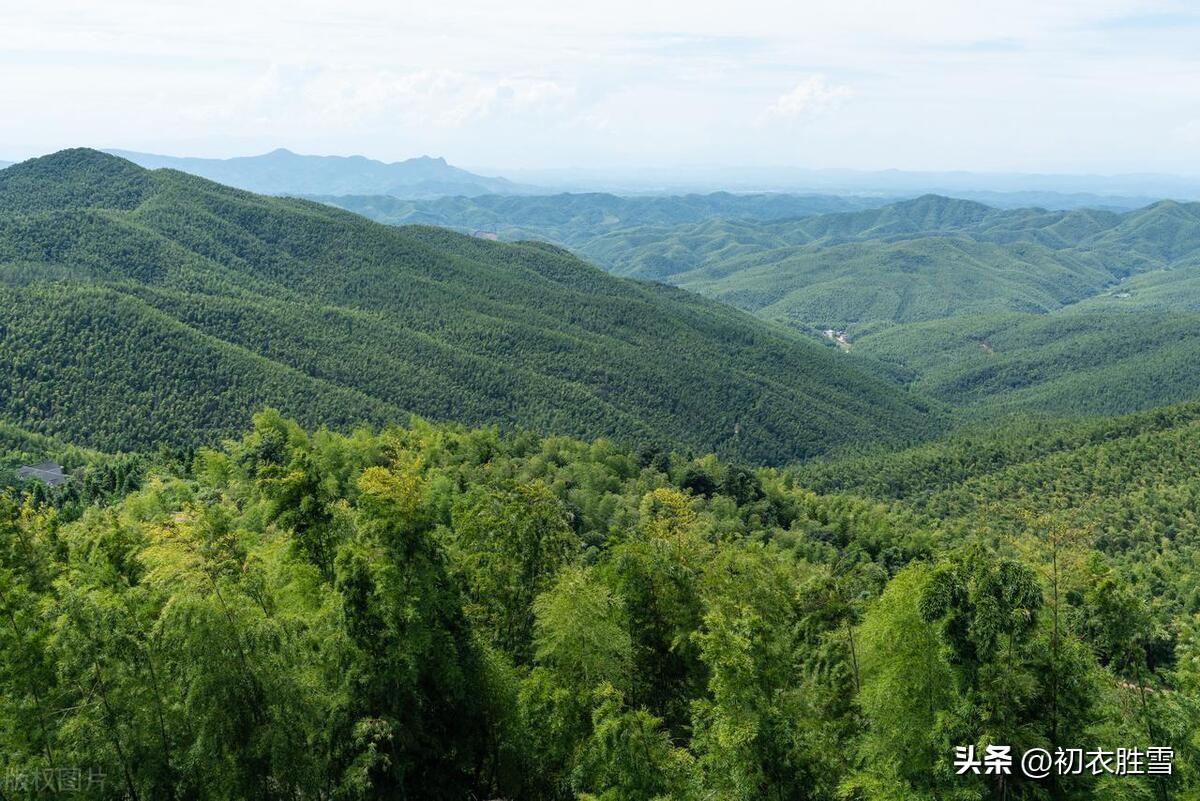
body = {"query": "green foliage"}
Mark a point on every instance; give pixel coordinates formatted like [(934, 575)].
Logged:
[(509, 544), (993, 311), (123, 291), (584, 221), (435, 612), (906, 684)]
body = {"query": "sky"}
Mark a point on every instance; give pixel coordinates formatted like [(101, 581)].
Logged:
[(1098, 86)]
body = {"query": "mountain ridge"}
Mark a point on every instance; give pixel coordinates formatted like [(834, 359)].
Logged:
[(205, 302), (989, 310), (284, 172)]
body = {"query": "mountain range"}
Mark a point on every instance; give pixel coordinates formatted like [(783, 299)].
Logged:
[(941, 303), (282, 172), (1021, 187), (293, 587), (575, 219), (144, 307), (989, 310)]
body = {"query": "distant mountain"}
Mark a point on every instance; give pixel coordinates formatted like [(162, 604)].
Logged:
[(1066, 256), (4, 164), (140, 307), (1084, 311), (575, 219), (1056, 201), (883, 183), (282, 172), (1079, 311)]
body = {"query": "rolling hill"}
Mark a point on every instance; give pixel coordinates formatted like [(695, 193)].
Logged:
[(282, 172), (144, 307), (1073, 362), (1127, 475), (579, 220), (991, 310)]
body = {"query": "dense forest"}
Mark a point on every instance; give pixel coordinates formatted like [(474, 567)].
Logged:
[(439, 612), (637, 545), (577, 220), (141, 308), (989, 310)]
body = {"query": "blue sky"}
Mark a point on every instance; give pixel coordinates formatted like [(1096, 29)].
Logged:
[(1051, 86)]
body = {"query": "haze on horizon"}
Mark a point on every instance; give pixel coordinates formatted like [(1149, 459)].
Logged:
[(1104, 86)]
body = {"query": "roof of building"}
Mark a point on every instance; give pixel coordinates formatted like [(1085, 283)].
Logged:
[(49, 472)]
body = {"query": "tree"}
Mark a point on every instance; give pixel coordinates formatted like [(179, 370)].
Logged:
[(508, 543), (907, 685)]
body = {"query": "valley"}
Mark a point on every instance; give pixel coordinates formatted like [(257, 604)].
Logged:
[(792, 497), (661, 401), (1072, 305)]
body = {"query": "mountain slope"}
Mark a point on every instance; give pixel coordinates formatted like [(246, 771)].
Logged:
[(142, 307), (904, 281), (1101, 468), (1079, 361), (577, 220), (282, 172), (987, 309)]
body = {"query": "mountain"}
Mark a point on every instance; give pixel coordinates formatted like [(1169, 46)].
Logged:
[(282, 172), (1082, 311), (574, 220), (1076, 361), (4, 164), (1117, 473), (918, 260), (145, 307), (1059, 188), (1056, 201)]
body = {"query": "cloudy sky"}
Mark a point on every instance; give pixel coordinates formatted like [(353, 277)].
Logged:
[(1017, 85)]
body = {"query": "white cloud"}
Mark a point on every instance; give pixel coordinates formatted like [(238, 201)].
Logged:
[(343, 98), (921, 84), (809, 98), (1188, 133)]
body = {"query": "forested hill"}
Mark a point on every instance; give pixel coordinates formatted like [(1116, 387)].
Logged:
[(1126, 486), (439, 613), (1131, 478), (988, 310), (576, 219), (145, 307)]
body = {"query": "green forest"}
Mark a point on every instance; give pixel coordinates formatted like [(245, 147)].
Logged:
[(991, 311), (442, 612), (363, 511), (124, 290)]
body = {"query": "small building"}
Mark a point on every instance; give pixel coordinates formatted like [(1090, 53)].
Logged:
[(46, 472)]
